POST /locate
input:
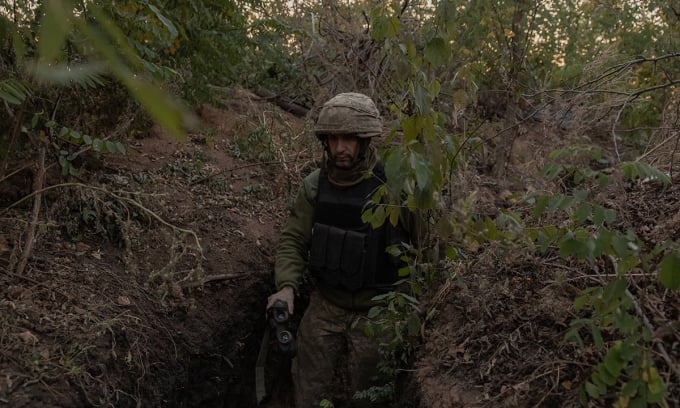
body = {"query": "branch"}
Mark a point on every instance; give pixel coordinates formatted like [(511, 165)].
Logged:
[(622, 67), (116, 196), (30, 230), (403, 8), (212, 278), (217, 173), (15, 134), (631, 97), (649, 326)]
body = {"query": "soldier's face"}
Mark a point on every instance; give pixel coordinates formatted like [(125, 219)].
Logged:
[(343, 150)]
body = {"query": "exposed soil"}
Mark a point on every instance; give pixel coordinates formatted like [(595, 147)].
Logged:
[(149, 275)]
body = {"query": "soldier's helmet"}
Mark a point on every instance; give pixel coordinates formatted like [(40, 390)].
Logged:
[(349, 113)]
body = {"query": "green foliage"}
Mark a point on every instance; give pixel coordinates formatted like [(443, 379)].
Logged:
[(425, 65), (256, 145), (91, 213), (191, 167), (627, 364), (326, 403), (94, 28), (396, 317), (626, 372), (642, 170), (669, 270), (13, 92)]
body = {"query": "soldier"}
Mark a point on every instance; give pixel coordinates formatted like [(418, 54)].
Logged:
[(345, 257)]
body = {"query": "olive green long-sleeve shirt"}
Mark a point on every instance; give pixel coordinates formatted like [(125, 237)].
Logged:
[(293, 246), (294, 243)]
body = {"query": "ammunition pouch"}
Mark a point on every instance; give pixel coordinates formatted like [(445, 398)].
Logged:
[(338, 257)]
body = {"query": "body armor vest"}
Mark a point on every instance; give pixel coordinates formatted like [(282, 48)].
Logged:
[(346, 253)]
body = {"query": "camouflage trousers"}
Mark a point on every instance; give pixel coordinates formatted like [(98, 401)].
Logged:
[(332, 356)]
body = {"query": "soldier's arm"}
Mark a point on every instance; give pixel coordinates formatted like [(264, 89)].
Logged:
[(293, 246)]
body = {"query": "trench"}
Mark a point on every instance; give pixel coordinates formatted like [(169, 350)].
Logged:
[(222, 374)]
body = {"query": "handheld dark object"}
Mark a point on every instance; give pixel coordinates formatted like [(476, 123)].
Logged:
[(278, 320)]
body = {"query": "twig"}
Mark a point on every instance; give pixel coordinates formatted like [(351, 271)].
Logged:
[(527, 381), (15, 134), (30, 231), (35, 282), (116, 196), (3, 178), (217, 173), (212, 278), (648, 324), (631, 97), (655, 148), (675, 149)]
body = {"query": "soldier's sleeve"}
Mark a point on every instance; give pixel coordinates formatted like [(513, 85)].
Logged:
[(293, 246)]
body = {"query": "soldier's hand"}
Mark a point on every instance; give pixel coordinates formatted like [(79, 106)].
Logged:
[(286, 294)]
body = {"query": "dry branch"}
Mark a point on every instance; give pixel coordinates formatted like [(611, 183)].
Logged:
[(283, 102), (30, 230)]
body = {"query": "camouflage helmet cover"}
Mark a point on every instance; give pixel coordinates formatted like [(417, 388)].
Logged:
[(349, 113)]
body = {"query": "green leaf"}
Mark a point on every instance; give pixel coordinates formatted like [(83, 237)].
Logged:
[(374, 312), (411, 128), (384, 27), (164, 110), (64, 164), (638, 169), (110, 146), (98, 145), (630, 388), (413, 324), (367, 215), (86, 75), (379, 216), (560, 202), (619, 244), (612, 362), (592, 389), (609, 216), (423, 102), (605, 376), (6, 96), (405, 271), (87, 139), (54, 29), (541, 204), (121, 148), (168, 24), (436, 51), (599, 215), (422, 169), (552, 170), (582, 212), (655, 385), (597, 336), (396, 171), (627, 263), (614, 290), (669, 270), (545, 238), (581, 301)]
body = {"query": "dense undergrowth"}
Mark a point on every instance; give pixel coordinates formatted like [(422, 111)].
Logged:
[(540, 144)]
